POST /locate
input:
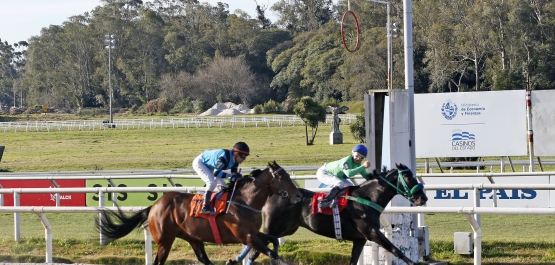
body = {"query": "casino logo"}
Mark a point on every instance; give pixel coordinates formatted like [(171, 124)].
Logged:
[(449, 110), (463, 141)]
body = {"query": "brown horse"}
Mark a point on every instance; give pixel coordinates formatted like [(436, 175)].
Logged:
[(169, 217)]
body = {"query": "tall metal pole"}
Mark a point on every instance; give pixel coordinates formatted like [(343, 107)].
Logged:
[(389, 49), (110, 82), (111, 44), (389, 52)]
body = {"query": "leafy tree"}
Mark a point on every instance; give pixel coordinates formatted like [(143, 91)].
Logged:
[(311, 113), (12, 62), (303, 15), (358, 129), (229, 79), (288, 66)]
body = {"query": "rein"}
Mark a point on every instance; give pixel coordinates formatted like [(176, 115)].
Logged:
[(406, 192), (282, 192), (365, 202), (245, 206)]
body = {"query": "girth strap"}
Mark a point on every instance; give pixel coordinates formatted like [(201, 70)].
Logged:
[(215, 230), (337, 222)]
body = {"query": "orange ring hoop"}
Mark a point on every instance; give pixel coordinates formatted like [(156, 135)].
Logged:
[(343, 31)]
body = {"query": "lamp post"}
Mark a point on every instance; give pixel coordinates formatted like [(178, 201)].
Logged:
[(110, 42), (391, 34)]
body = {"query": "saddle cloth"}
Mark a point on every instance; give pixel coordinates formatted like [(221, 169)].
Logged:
[(341, 203), (198, 199)]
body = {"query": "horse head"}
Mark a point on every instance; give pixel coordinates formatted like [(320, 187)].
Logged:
[(282, 184), (406, 184)]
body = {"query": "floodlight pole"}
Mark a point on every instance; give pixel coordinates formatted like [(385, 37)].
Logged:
[(389, 48), (111, 44)]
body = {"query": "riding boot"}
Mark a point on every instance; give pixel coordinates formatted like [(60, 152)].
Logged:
[(327, 202), (206, 209)]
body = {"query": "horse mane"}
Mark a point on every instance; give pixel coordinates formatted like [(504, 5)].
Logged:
[(382, 173), (248, 178), (375, 175)]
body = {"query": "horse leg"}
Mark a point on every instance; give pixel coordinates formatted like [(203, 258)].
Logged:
[(239, 257), (253, 256), (358, 246), (164, 238), (163, 252), (259, 245), (267, 239), (200, 252), (378, 237)]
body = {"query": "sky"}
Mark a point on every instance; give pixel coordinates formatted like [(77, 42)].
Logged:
[(21, 19)]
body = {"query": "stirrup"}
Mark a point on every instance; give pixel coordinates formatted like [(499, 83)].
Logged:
[(207, 211)]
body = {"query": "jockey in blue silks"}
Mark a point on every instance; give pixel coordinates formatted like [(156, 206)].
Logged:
[(210, 166)]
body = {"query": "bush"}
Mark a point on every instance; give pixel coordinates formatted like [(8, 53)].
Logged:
[(157, 105), (185, 106), (258, 109), (358, 129), (271, 107)]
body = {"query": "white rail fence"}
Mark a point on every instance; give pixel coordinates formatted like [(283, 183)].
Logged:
[(471, 213), (157, 123)]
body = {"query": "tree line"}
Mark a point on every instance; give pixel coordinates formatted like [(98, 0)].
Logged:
[(184, 51)]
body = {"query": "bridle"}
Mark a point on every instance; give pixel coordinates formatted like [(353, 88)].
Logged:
[(281, 191), (404, 190), (275, 175)]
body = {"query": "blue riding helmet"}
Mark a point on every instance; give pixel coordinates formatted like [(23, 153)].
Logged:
[(360, 148)]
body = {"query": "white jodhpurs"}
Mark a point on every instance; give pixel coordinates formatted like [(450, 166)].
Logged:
[(331, 180), (207, 175)]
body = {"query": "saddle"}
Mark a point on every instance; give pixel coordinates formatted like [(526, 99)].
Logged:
[(341, 203), (219, 201)]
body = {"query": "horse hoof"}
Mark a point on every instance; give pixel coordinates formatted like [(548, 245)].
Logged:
[(278, 262), (231, 262)]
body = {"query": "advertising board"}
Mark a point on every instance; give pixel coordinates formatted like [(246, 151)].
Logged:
[(470, 124), (505, 197), (46, 199)]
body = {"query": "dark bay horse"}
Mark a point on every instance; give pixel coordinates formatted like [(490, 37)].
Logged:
[(169, 217), (360, 220)]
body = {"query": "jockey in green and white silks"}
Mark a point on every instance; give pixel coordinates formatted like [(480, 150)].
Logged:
[(337, 173), (210, 166)]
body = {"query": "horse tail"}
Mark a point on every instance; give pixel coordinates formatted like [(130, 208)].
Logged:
[(114, 225)]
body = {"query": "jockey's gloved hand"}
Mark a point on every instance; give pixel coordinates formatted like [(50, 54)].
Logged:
[(367, 176), (236, 176)]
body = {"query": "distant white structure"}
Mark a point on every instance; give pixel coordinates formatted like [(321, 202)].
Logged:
[(227, 108)]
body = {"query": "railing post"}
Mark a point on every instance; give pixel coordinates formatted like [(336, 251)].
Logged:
[(16, 218), (101, 204), (148, 245)]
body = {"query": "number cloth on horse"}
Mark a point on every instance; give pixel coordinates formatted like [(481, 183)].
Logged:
[(196, 204), (341, 203)]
